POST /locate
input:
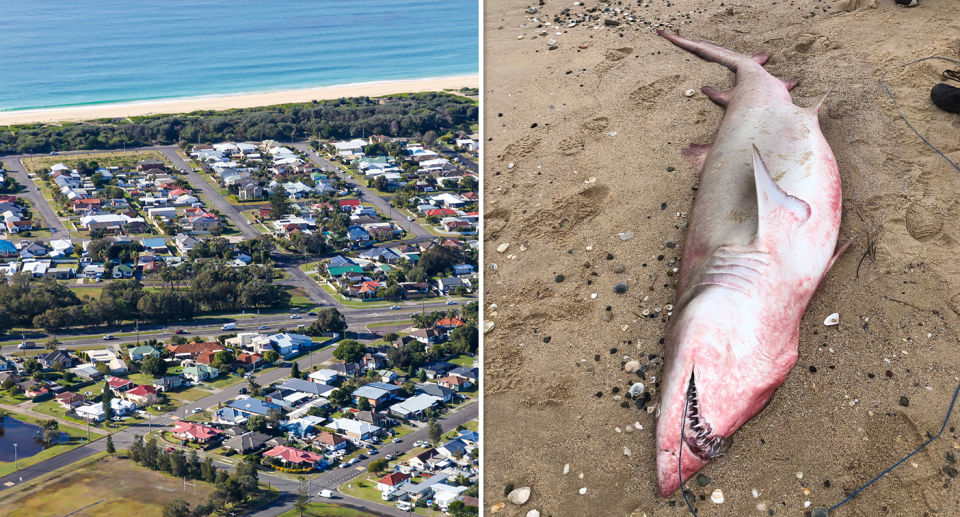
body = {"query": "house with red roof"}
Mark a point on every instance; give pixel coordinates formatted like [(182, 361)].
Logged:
[(294, 457), (192, 350), (440, 212), (143, 395), (206, 357), (68, 400), (248, 361), (117, 384), (447, 324), (194, 432), (332, 442), (392, 481), (454, 382), (348, 205)]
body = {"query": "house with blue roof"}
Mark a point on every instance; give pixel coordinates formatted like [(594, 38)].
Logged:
[(303, 426), (358, 235), (340, 261), (229, 415), (252, 406), (311, 388), (377, 393), (7, 249), (156, 245), (469, 437)]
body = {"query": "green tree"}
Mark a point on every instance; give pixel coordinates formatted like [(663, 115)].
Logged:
[(111, 450), (339, 397), (32, 366), (423, 376), (417, 274), (154, 366), (53, 344), (176, 508), (434, 431), (257, 424), (391, 337), (51, 430), (295, 370), (363, 404), (349, 351), (303, 497), (105, 398), (271, 356), (328, 320), (279, 201), (378, 466), (465, 339)]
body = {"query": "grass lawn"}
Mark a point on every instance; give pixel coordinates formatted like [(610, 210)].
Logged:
[(109, 487), (117, 159), (330, 510), (399, 432), (75, 438), (354, 304), (463, 360), (403, 324), (225, 381), (187, 395)]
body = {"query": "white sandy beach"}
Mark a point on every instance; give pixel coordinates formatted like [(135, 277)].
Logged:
[(235, 101)]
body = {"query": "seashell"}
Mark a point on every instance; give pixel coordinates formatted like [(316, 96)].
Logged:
[(503, 247), (524, 247), (494, 306), (624, 327), (496, 507), (487, 326), (583, 490), (631, 366), (566, 469), (689, 93), (636, 389), (533, 513), (717, 496), (551, 42), (519, 496), (493, 266), (832, 320)]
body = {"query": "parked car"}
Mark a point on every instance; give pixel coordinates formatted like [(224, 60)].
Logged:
[(353, 461), (54, 152), (411, 218), (243, 391), (196, 410), (108, 337), (389, 457), (344, 465), (397, 440), (361, 457), (372, 452)]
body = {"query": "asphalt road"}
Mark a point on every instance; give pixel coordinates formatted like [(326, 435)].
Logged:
[(124, 439), (366, 194), (30, 192), (198, 183)]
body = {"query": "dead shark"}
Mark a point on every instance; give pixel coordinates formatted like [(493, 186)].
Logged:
[(762, 235)]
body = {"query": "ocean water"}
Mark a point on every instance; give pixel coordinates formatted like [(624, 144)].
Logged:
[(58, 53)]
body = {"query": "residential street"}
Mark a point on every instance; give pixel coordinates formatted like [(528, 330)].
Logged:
[(30, 192)]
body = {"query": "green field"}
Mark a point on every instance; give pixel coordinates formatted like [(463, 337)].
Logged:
[(463, 360), (76, 435), (107, 487), (116, 159), (365, 487)]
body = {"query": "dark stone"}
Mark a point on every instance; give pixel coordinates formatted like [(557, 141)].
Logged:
[(546, 339), (950, 471), (533, 125), (620, 288), (904, 401), (559, 278), (826, 484), (813, 369), (951, 458), (507, 489), (598, 394), (611, 23), (609, 256), (624, 404), (613, 350), (596, 357), (671, 245), (703, 480), (663, 206), (670, 169)]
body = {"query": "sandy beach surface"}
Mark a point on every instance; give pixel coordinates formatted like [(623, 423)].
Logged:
[(584, 143), (235, 101)]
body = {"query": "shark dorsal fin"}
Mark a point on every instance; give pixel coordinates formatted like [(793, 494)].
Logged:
[(771, 198)]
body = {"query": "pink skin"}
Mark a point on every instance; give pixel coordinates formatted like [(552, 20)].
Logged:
[(753, 259)]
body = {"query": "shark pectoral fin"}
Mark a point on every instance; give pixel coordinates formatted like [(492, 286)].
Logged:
[(837, 255), (718, 96), (771, 198), (789, 85), (696, 154), (761, 58), (816, 107)]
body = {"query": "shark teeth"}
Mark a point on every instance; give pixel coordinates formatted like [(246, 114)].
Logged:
[(701, 443)]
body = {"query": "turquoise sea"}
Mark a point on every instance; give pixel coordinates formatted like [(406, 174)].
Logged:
[(56, 53)]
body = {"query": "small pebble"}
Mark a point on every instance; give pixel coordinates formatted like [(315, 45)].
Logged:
[(507, 489), (559, 278), (755, 493), (799, 475), (620, 288), (566, 469), (619, 269), (670, 169), (904, 401), (609, 256), (631, 366), (533, 513), (703, 480), (596, 357), (583, 490), (626, 452)]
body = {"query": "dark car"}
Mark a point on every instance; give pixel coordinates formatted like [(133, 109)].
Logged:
[(362, 456), (243, 391), (180, 331), (311, 314)]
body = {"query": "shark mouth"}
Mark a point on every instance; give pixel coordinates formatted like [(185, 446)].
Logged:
[(698, 431)]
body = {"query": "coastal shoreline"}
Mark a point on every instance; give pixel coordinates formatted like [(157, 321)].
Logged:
[(187, 105)]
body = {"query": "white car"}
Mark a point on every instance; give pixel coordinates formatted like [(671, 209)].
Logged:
[(327, 494), (344, 465), (108, 337), (451, 302), (411, 218), (196, 410), (395, 307)]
